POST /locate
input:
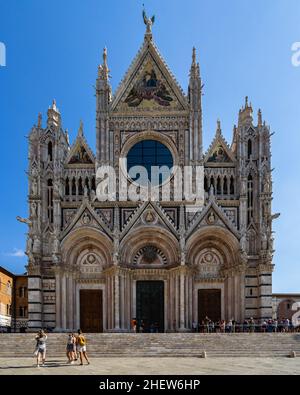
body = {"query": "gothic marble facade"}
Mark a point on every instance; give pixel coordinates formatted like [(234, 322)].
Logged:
[(75, 242)]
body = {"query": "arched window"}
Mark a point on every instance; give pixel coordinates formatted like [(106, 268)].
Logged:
[(87, 183), (73, 186), (250, 198), (67, 187), (50, 151), (225, 186), (205, 184), (94, 184), (8, 288), (212, 183), (249, 148), (80, 187), (150, 154), (231, 185), (50, 200), (218, 186)]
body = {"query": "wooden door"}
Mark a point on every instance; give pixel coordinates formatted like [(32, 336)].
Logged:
[(209, 304), (91, 311)]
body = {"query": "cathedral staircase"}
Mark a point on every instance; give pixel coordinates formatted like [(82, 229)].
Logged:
[(160, 345)]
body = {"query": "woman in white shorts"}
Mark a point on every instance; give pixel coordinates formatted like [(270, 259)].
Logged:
[(81, 347)]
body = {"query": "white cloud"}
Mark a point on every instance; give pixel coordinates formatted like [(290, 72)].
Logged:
[(17, 253)]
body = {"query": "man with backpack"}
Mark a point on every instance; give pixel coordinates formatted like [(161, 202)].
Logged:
[(81, 347)]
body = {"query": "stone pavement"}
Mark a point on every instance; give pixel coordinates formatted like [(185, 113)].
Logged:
[(163, 366)]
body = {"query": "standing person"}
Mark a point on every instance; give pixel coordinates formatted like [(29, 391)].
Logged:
[(40, 348), (81, 347), (71, 348), (133, 325)]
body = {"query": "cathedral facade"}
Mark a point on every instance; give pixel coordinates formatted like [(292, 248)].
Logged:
[(97, 264)]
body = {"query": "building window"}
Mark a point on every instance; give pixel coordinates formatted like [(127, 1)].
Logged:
[(149, 153), (288, 306), (219, 186), (50, 200), (231, 185), (251, 292), (250, 198), (50, 151), (67, 187), (8, 288), (8, 309), (73, 187), (225, 186), (22, 292), (80, 187), (249, 148), (22, 311), (205, 184)]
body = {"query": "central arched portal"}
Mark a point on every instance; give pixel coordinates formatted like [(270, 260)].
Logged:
[(150, 306)]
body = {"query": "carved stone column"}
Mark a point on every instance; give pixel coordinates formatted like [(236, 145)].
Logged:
[(117, 301), (58, 299), (64, 300)]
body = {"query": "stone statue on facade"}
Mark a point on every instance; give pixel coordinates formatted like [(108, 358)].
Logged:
[(33, 210), (36, 245), (34, 187), (148, 22), (29, 245)]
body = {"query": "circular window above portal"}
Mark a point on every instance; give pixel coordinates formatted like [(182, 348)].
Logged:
[(155, 159)]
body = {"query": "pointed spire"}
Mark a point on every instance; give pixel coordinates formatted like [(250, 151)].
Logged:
[(39, 125), (67, 137), (194, 57), (245, 114), (234, 139), (259, 119), (80, 130), (219, 130), (195, 68), (53, 115)]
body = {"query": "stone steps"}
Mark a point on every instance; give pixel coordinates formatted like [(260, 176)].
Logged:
[(159, 345)]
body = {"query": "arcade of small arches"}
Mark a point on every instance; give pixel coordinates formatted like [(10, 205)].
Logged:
[(149, 282)]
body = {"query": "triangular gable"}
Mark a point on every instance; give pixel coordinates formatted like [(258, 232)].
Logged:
[(80, 153), (86, 216), (219, 151), (149, 84), (212, 214), (149, 213)]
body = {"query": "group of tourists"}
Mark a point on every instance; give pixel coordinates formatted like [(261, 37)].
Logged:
[(143, 327), (250, 325), (76, 346)]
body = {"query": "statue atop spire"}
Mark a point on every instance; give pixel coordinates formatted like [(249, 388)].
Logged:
[(103, 70), (149, 23)]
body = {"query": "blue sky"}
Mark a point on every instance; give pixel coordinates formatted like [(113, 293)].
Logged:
[(54, 48)]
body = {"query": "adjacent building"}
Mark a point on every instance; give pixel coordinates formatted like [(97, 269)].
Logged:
[(13, 301), (6, 298)]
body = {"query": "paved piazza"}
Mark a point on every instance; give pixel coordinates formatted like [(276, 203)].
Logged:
[(123, 366)]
